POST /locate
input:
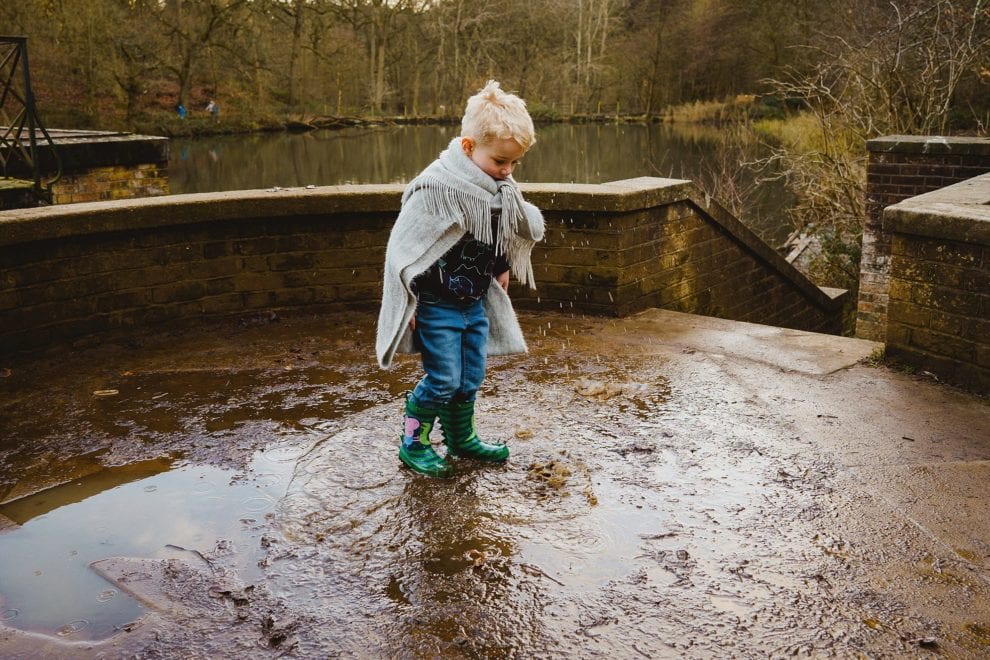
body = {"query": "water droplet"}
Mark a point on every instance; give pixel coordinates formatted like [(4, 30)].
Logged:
[(284, 454), (267, 480), (257, 504), (72, 627), (203, 487), (106, 595)]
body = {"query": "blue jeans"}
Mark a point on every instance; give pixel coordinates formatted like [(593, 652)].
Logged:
[(452, 339)]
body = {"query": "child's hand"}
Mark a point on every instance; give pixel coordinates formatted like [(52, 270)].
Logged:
[(503, 281), (412, 324)]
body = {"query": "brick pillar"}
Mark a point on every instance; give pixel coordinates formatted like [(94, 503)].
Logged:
[(902, 166)]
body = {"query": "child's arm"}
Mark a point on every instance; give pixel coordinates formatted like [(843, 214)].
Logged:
[(503, 281)]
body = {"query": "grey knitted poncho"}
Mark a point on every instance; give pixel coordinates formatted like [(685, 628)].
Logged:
[(450, 197)]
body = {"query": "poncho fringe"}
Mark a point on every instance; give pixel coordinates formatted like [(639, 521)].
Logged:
[(473, 213)]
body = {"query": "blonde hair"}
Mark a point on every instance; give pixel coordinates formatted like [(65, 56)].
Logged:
[(493, 114)]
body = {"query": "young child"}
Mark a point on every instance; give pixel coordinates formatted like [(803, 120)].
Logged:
[(462, 228)]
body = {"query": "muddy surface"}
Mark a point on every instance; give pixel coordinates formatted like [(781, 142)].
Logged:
[(677, 488)]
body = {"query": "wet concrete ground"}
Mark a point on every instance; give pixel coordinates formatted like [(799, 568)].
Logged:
[(678, 487)]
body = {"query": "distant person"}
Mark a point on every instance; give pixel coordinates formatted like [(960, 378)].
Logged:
[(463, 226), (214, 109), (181, 110)]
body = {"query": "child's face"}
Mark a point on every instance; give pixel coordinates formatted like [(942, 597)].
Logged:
[(497, 159)]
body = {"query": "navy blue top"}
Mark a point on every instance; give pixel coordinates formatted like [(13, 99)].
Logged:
[(464, 273)]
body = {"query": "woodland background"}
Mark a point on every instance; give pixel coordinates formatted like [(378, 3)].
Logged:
[(121, 63), (813, 80)]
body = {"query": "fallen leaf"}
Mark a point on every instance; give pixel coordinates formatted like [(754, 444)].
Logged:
[(477, 557), (589, 388), (924, 642)]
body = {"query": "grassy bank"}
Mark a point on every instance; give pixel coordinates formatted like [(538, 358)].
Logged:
[(236, 119)]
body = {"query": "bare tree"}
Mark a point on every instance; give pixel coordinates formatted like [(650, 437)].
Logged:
[(380, 22), (594, 21), (193, 28), (898, 77), (911, 60)]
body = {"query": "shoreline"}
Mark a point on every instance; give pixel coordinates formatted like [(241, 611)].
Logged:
[(199, 127)]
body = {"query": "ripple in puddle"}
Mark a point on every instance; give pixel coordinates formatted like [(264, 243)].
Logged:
[(72, 627)]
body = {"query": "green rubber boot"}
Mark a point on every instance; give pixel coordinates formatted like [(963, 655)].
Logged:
[(461, 435), (415, 449)]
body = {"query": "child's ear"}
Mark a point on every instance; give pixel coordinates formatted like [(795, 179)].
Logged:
[(467, 144)]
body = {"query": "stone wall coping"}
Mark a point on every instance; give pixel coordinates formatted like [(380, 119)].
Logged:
[(63, 221), (960, 212), (616, 196), (929, 144), (69, 220)]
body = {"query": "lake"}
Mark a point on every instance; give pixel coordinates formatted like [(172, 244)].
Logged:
[(568, 153)]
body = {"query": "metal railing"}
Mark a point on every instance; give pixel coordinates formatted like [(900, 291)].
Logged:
[(19, 123)]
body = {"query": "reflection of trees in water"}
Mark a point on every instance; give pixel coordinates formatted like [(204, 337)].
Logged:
[(453, 579), (718, 159), (328, 157), (713, 157)]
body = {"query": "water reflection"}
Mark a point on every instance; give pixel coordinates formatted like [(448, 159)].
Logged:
[(569, 153), (150, 509), (81, 488), (452, 567), (326, 157)]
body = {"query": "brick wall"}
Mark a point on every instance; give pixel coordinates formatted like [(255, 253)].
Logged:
[(69, 271), (687, 255), (112, 182), (939, 309), (901, 167), (97, 166), (16, 194)]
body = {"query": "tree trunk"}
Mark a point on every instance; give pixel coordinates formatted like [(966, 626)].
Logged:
[(297, 29), (185, 76)]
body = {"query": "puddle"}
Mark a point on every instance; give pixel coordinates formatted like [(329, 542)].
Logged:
[(151, 509)]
